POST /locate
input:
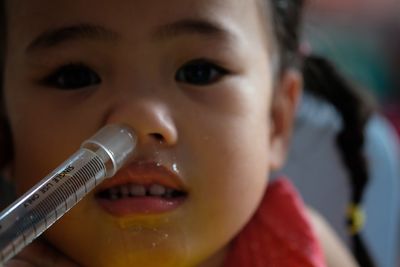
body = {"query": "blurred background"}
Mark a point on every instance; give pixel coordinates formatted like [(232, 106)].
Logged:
[(363, 38)]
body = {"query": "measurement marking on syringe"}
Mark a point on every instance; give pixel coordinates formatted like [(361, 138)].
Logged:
[(65, 206), (54, 199), (45, 222), (74, 186), (44, 208), (87, 173), (56, 213)]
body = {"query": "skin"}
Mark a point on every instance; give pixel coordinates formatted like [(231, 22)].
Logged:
[(335, 252), (224, 137)]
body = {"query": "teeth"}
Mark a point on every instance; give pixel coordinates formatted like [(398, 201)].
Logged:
[(157, 190), (137, 190)]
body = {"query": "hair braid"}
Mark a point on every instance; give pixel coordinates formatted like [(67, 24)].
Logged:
[(323, 80)]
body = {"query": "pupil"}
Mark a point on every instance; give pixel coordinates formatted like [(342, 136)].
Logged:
[(75, 78), (198, 74)]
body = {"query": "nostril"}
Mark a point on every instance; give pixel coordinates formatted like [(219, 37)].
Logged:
[(158, 137)]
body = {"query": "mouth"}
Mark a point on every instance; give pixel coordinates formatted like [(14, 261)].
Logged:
[(141, 188), (138, 191)]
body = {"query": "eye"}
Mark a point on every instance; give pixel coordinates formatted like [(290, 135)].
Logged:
[(200, 72), (72, 77)]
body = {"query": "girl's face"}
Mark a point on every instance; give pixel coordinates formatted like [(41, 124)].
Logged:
[(192, 78)]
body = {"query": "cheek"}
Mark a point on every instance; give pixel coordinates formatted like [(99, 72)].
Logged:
[(37, 151), (229, 179), (44, 135), (237, 191), (32, 158)]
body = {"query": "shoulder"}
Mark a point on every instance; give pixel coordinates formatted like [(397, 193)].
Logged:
[(335, 252)]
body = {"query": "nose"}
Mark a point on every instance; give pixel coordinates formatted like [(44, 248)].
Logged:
[(150, 119)]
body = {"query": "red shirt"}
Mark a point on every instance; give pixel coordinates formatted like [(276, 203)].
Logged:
[(278, 235)]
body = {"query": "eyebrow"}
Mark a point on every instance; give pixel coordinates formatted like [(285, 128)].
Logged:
[(57, 36), (201, 27)]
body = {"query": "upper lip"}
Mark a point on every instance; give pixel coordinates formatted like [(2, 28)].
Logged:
[(144, 173)]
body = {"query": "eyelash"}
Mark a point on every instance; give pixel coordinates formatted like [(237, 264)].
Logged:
[(200, 72), (72, 76), (75, 76)]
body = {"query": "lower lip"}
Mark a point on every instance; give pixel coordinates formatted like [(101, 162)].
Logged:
[(139, 205)]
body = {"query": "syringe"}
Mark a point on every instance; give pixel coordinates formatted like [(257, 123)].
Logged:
[(98, 158)]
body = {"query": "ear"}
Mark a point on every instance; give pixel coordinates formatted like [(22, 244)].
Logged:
[(283, 109)]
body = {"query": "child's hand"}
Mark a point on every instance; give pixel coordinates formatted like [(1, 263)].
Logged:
[(40, 254)]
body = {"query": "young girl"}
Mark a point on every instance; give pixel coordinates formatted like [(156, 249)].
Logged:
[(209, 87)]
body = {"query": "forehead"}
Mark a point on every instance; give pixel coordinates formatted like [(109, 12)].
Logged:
[(140, 7), (27, 18)]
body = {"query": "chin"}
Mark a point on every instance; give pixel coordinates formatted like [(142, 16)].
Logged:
[(123, 249)]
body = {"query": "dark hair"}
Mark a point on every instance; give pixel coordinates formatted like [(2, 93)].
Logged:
[(5, 135), (3, 37), (324, 81)]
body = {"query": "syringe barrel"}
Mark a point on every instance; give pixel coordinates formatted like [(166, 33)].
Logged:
[(29, 216)]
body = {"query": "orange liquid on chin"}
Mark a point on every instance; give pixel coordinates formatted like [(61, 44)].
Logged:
[(123, 244)]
